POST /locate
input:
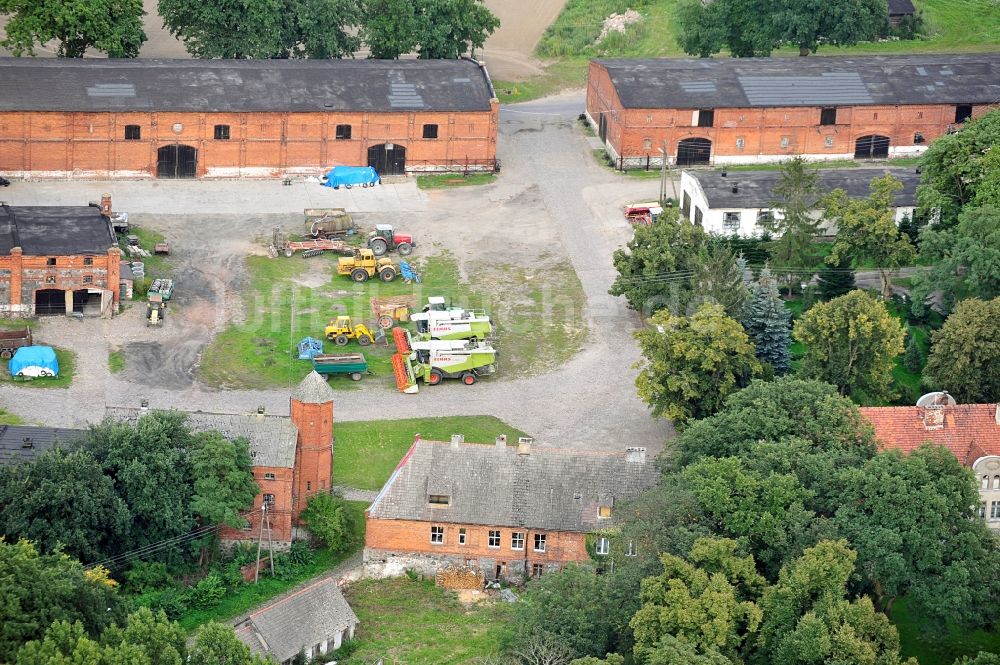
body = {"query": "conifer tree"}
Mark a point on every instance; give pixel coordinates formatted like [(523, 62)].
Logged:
[(766, 322)]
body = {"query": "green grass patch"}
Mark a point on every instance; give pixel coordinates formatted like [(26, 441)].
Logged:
[(448, 180), (67, 365), (417, 623), (365, 453), (15, 324), (250, 596), (565, 74), (7, 418), (914, 641), (116, 361)]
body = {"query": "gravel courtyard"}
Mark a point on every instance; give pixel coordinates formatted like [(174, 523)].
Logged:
[(551, 202)]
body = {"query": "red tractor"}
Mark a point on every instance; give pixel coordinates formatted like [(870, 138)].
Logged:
[(383, 239)]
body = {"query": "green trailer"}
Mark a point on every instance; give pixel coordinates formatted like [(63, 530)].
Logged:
[(353, 364)]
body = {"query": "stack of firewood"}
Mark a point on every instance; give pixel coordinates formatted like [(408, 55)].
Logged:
[(457, 577)]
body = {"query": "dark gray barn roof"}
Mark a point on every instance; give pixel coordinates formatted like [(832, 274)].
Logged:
[(756, 187), (21, 443), (55, 230), (811, 81), (297, 621), (900, 7), (552, 489), (92, 84)]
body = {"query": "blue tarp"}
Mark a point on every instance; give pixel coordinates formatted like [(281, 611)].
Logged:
[(348, 176), (34, 361), (310, 347)]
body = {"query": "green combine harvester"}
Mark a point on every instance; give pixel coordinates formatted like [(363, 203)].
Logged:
[(438, 321), (435, 360)]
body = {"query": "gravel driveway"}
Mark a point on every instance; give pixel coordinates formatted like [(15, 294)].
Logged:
[(551, 190)]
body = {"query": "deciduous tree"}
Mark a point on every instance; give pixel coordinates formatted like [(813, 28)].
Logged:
[(851, 342), (691, 364), (809, 23), (706, 28), (217, 643), (965, 353), (962, 169), (113, 27), (767, 323), (389, 28), (223, 482), (866, 229), (453, 28), (326, 28), (330, 520), (231, 28)]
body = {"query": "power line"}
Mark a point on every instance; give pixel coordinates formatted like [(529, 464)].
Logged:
[(151, 548)]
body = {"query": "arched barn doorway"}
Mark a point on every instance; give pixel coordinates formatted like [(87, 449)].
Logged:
[(871, 147), (693, 152), (387, 158), (176, 161)]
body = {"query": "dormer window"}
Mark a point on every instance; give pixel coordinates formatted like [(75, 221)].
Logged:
[(604, 512), (438, 499), (26, 442)]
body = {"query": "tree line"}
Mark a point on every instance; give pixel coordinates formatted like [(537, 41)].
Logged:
[(259, 29)]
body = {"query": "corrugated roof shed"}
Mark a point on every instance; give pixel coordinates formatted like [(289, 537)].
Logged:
[(271, 438), (95, 84), (548, 488), (812, 81), (755, 189), (970, 431), (22, 443), (299, 620), (55, 230)]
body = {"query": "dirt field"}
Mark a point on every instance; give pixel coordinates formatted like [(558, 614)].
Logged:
[(508, 52)]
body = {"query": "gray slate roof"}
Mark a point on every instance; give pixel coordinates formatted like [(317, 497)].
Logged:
[(313, 390), (756, 187), (900, 7), (94, 84), (55, 230), (549, 488), (15, 448), (812, 81), (271, 438), (296, 621)]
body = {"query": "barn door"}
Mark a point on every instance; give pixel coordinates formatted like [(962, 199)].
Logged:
[(602, 127), (176, 161), (871, 147), (387, 158), (692, 152)]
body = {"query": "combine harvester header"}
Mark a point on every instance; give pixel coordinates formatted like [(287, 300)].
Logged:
[(435, 360)]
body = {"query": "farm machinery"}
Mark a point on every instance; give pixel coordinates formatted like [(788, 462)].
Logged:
[(328, 223), (385, 239), (363, 265), (435, 360), (438, 321), (343, 329)]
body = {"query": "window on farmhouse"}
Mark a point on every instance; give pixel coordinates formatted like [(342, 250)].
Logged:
[(50, 261), (603, 546), (630, 549), (918, 138), (963, 112), (985, 484), (686, 204), (828, 141), (996, 482), (222, 132), (268, 476), (981, 511), (437, 535), (785, 141), (740, 143), (88, 260), (438, 499), (731, 221), (343, 132), (764, 217), (706, 117), (647, 144), (88, 279), (537, 569), (604, 511), (517, 540), (698, 215), (995, 510), (539, 542), (132, 132), (494, 540), (828, 116), (430, 131), (268, 498), (461, 536)]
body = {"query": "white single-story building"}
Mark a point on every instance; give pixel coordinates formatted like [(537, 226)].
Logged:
[(736, 202)]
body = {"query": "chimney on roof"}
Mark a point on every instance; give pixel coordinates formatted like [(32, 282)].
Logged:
[(501, 442), (106, 205), (934, 417), (144, 405), (524, 445), (635, 455), (26, 442), (736, 189), (457, 439)]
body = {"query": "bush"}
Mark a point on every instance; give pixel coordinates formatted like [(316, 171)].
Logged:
[(330, 521), (300, 554), (147, 576), (207, 593), (173, 602)]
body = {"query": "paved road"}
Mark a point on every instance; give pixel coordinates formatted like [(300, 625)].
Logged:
[(588, 403)]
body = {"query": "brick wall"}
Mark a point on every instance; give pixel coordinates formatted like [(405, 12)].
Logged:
[(21, 276), (259, 144), (276, 481), (762, 134), (386, 540), (313, 451)]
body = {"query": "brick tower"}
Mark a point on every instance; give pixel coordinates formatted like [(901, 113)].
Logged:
[(312, 414)]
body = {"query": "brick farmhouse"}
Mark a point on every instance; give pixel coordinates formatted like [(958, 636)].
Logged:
[(970, 431), (292, 456), (96, 118), (57, 260), (508, 512), (756, 110)]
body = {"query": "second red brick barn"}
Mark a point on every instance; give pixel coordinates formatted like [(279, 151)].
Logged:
[(758, 110)]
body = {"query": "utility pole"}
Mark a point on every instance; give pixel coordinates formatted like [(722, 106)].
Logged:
[(265, 521), (664, 173)]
